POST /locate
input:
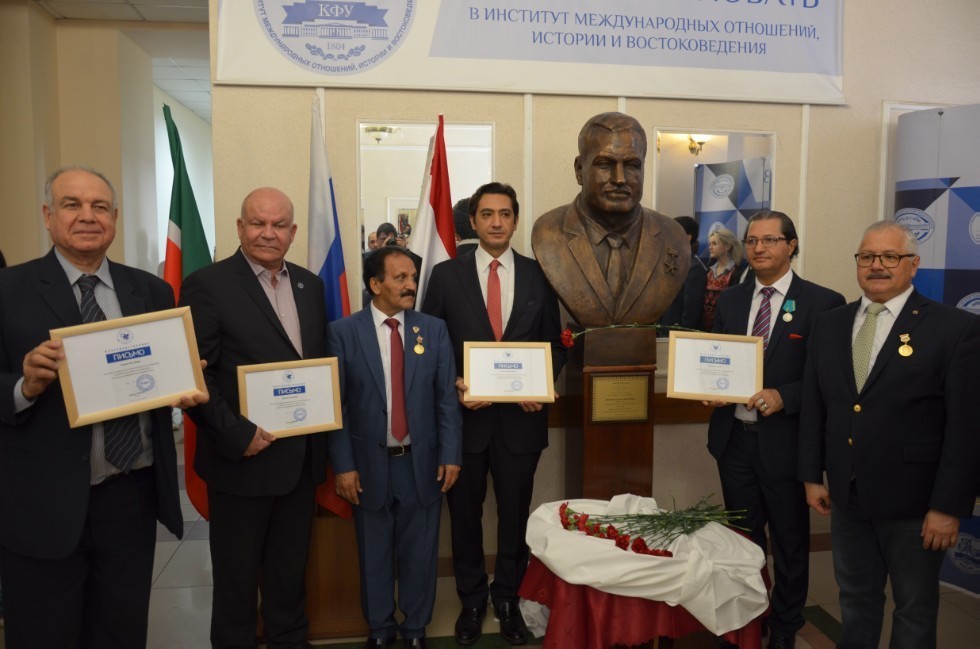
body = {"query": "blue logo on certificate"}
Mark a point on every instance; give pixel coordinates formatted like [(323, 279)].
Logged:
[(125, 336), (289, 390), (128, 354), (145, 382), (332, 37)]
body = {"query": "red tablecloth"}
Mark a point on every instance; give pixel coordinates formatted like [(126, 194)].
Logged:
[(585, 618)]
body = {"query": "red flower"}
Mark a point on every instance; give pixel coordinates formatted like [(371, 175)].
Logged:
[(581, 523), (639, 545), (611, 532), (623, 541), (567, 338)]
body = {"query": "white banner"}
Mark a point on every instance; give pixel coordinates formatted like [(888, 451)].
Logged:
[(750, 50)]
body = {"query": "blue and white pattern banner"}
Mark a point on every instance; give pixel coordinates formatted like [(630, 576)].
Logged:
[(937, 196), (751, 50), (728, 194)]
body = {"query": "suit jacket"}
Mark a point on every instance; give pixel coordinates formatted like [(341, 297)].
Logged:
[(236, 325), (432, 406), (687, 307), (44, 465), (782, 370), (562, 246), (453, 294), (909, 438)]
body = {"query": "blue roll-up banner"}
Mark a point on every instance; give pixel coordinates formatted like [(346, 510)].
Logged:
[(937, 195), (728, 194), (750, 50)]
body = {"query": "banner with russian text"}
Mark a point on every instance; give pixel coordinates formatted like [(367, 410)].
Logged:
[(749, 50)]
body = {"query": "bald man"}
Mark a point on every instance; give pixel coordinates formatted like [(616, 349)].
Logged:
[(254, 307)]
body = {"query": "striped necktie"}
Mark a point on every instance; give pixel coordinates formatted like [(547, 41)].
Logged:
[(761, 326)]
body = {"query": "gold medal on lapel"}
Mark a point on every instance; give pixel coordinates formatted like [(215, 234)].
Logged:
[(905, 349), (419, 349), (787, 317)]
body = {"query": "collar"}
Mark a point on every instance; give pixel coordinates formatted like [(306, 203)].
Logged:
[(73, 273), (781, 285), (596, 232), (258, 269), (894, 305), (483, 259), (379, 318)]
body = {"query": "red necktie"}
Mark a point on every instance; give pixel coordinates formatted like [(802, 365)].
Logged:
[(493, 301), (761, 326), (399, 422)]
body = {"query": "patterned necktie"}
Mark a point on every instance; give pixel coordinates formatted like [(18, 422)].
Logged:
[(121, 441), (493, 301), (399, 421), (614, 268), (761, 326), (861, 349)]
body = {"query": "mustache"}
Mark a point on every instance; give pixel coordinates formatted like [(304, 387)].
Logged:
[(879, 276), (407, 293)]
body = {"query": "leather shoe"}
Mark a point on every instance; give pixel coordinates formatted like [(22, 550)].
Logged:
[(512, 626), (379, 643), (469, 625), (415, 643), (781, 642)]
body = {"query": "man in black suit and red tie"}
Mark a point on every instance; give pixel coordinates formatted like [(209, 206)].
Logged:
[(889, 414), (254, 307), (490, 294), (755, 443), (78, 506)]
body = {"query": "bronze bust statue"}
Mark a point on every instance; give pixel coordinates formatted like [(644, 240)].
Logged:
[(610, 260)]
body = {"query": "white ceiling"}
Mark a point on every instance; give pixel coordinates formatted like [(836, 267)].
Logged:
[(181, 64)]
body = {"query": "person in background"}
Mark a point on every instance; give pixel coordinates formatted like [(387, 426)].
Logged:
[(688, 306), (466, 239), (726, 250), (372, 241)]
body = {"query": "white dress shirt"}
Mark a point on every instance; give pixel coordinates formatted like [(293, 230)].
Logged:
[(886, 320), (506, 274)]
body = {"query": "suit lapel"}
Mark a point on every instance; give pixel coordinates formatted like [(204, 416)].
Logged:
[(776, 322), (368, 338), (130, 302), (648, 253), (303, 297), (56, 292), (470, 290), (250, 283), (409, 338), (581, 249), (522, 291), (908, 319)]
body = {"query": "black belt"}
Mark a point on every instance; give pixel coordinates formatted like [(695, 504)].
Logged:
[(115, 476), (398, 451), (750, 426)]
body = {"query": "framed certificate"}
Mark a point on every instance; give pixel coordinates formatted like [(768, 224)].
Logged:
[(713, 367), (291, 398), (508, 372), (128, 365)]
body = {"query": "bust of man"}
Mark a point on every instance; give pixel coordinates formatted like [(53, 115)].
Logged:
[(610, 260)]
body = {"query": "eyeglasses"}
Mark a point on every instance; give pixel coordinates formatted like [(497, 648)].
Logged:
[(767, 242), (888, 259)]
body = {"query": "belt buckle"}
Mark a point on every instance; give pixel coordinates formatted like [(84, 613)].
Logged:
[(396, 451)]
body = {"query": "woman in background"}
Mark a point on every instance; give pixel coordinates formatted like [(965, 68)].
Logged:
[(726, 250)]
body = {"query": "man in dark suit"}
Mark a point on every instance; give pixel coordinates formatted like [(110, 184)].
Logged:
[(400, 447), (755, 443), (77, 520), (493, 293), (250, 308), (688, 305), (889, 413)]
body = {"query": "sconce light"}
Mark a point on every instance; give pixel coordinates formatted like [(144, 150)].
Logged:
[(696, 141), (378, 133)]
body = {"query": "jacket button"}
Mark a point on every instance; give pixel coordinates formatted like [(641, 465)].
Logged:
[(857, 407), (850, 441)]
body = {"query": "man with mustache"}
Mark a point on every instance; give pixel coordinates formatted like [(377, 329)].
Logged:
[(399, 449), (489, 294), (889, 413), (610, 260), (254, 307), (755, 442)]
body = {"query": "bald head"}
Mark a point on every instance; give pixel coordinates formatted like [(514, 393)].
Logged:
[(266, 228)]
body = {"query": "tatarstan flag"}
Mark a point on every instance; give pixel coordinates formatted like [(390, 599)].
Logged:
[(187, 251)]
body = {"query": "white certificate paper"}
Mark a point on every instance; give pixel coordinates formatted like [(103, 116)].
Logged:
[(292, 398), (128, 365), (713, 367), (508, 372)]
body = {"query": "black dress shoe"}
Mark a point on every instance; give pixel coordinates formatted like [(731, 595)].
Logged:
[(469, 625), (379, 643), (781, 642), (512, 626), (415, 643)]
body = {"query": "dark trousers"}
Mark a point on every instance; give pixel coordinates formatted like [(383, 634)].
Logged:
[(866, 552), (261, 544), (401, 538), (781, 504), (99, 595), (513, 483)]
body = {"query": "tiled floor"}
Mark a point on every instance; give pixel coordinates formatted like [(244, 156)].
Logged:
[(180, 605)]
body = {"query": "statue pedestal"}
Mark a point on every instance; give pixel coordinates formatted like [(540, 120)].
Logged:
[(611, 372)]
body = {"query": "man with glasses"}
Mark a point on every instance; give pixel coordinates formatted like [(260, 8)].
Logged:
[(755, 442), (888, 413)]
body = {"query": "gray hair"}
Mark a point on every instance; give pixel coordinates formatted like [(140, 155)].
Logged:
[(728, 239), (48, 198), (911, 243)]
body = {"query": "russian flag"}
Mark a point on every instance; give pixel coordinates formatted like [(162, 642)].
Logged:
[(325, 256)]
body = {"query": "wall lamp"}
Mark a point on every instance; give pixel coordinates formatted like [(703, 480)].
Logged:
[(378, 133), (696, 141)]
